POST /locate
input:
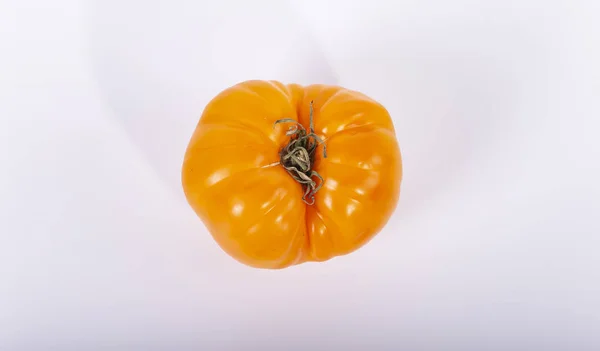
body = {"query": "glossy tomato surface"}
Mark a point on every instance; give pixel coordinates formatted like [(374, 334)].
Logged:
[(234, 181)]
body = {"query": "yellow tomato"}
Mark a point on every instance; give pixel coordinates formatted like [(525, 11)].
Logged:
[(285, 174)]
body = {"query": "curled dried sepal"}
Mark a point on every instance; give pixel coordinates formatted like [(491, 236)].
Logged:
[(297, 156)]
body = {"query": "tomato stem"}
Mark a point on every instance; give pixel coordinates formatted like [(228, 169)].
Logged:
[(297, 157)]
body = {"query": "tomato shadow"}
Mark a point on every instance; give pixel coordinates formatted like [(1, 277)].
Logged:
[(158, 64)]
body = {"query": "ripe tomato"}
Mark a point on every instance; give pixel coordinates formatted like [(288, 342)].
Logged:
[(285, 174)]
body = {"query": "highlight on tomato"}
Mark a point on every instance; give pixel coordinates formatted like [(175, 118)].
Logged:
[(285, 174)]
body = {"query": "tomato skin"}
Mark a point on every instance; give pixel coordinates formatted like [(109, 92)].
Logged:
[(253, 208)]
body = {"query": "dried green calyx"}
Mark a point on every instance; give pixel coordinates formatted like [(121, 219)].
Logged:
[(297, 157)]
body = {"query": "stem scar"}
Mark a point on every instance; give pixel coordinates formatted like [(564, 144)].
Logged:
[(297, 157)]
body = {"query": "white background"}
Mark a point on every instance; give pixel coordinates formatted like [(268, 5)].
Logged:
[(494, 245)]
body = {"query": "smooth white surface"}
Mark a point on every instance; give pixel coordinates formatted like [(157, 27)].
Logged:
[(494, 245)]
